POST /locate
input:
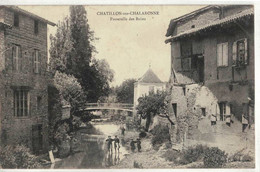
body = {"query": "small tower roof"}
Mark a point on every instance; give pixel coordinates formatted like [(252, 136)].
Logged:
[(149, 77)]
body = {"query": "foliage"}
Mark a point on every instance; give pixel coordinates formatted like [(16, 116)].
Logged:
[(70, 89), (54, 109), (61, 134), (61, 46), (214, 158), (137, 165), (151, 105), (132, 123), (172, 155), (240, 156), (142, 134), (192, 154), (125, 92), (247, 158), (17, 157), (72, 53), (160, 134)]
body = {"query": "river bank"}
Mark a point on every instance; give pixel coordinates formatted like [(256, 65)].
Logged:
[(155, 158)]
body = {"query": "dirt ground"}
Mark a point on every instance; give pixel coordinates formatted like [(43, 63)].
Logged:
[(150, 158)]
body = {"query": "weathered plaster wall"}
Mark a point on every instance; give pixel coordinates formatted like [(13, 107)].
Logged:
[(142, 89)]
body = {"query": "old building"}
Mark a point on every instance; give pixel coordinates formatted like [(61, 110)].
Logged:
[(147, 83), (212, 73), (23, 78)]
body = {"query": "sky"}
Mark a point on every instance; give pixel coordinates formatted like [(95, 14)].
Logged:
[(129, 47)]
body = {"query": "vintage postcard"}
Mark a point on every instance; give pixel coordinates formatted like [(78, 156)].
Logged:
[(127, 86)]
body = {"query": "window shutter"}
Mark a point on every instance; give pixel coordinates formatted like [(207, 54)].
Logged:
[(19, 58), (225, 54), (28, 104), (13, 53), (39, 62), (33, 63), (228, 109), (234, 53), (246, 52), (219, 54)]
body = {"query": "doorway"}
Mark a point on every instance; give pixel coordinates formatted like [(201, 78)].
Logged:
[(200, 68), (37, 138)]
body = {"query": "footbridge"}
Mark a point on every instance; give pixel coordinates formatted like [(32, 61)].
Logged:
[(109, 106)]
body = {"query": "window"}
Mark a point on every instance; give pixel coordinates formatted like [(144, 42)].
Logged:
[(21, 103), (240, 52), (194, 62), (186, 48), (39, 100), (222, 54), (203, 111), (151, 88), (36, 57), (222, 110), (174, 107), (184, 90), (16, 54), (16, 20), (36, 26)]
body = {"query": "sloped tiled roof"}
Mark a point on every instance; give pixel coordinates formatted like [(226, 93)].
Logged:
[(149, 77), (223, 21), (4, 25), (19, 10)]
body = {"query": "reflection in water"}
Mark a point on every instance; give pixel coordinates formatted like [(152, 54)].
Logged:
[(93, 151), (112, 159)]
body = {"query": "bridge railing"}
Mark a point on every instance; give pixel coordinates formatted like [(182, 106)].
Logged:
[(112, 105)]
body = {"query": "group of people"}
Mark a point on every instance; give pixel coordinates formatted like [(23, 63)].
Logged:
[(138, 144), (110, 141)]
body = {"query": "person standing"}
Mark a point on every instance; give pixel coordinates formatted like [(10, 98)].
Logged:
[(109, 141), (132, 145), (244, 122), (116, 143), (213, 119), (123, 130), (228, 120), (138, 142)]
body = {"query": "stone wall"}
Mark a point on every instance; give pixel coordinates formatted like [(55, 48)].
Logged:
[(199, 20), (16, 130)]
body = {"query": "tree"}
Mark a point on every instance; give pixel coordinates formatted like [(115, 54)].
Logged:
[(125, 92), (72, 53), (70, 90), (61, 46), (102, 77), (81, 36), (153, 104)]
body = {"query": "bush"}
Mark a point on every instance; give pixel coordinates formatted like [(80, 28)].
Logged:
[(137, 165), (214, 158), (18, 157), (172, 155), (160, 134), (239, 156), (142, 134), (193, 154), (247, 158), (132, 123)]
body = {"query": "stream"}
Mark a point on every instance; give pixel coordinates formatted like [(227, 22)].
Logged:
[(91, 150)]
